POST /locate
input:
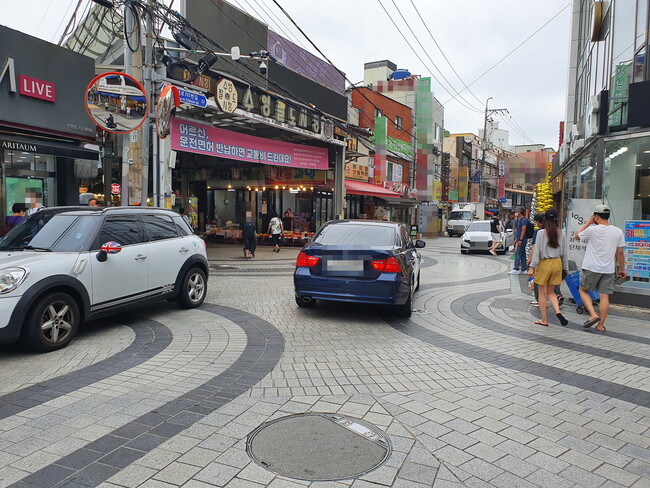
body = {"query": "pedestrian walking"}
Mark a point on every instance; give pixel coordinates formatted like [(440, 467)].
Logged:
[(249, 236), (497, 233), (539, 221), (18, 215), (548, 261), (521, 240), (605, 244), (276, 230)]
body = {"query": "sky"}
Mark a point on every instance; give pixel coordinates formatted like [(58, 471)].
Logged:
[(473, 35)]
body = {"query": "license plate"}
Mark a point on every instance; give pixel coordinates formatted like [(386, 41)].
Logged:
[(344, 265)]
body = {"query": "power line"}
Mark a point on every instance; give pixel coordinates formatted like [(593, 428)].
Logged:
[(518, 46), (443, 53), (466, 103), (44, 16), (65, 15)]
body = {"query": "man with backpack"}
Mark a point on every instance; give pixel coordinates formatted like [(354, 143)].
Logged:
[(521, 239)]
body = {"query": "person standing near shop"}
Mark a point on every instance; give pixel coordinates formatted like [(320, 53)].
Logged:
[(605, 247), (287, 220), (18, 215), (520, 266), (275, 229)]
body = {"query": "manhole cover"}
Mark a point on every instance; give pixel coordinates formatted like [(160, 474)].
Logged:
[(318, 447)]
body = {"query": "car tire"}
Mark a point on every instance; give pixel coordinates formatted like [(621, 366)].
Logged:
[(464, 251), (502, 251), (301, 304), (406, 309), (450, 234), (52, 322), (193, 289)]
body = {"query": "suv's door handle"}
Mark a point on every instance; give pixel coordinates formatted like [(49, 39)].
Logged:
[(183, 249), (140, 257)]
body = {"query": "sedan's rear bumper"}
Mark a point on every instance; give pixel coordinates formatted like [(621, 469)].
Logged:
[(387, 289)]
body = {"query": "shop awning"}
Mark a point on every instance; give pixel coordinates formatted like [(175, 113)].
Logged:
[(40, 146), (361, 188)]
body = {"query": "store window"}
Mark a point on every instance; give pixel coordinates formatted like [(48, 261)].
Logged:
[(580, 179), (398, 123), (626, 180), (29, 179)]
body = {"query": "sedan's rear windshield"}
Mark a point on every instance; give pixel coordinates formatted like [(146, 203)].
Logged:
[(357, 235), (479, 226), (51, 232)]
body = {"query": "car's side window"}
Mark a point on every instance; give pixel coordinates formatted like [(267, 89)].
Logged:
[(159, 227), (182, 227), (124, 229)]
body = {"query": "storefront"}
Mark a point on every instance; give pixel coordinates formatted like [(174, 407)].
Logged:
[(374, 202), (615, 170), (45, 134)]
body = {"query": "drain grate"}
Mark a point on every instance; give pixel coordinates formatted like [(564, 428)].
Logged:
[(318, 447)]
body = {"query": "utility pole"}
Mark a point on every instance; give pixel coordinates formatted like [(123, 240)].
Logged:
[(488, 112), (126, 138), (146, 131)]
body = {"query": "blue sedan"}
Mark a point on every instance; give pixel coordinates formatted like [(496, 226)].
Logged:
[(359, 261)]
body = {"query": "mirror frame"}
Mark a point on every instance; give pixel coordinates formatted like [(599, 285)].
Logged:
[(137, 84)]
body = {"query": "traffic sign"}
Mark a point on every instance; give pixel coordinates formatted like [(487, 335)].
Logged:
[(116, 189), (503, 200), (191, 98)]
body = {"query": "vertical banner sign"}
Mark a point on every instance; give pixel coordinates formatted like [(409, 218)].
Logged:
[(549, 165), (637, 249), (381, 142), (617, 109), (579, 212)]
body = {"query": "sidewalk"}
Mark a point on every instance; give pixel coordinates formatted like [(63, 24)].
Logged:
[(234, 252)]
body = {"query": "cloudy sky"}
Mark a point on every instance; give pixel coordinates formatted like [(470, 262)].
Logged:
[(473, 35)]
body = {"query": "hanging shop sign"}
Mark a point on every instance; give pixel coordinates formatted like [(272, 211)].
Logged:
[(400, 188), (116, 189), (225, 94), (204, 139), (356, 171)]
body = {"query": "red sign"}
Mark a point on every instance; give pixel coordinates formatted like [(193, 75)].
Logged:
[(33, 87), (204, 139), (116, 189)]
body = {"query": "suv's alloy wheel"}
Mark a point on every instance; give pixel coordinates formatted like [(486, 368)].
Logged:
[(53, 322), (193, 290)]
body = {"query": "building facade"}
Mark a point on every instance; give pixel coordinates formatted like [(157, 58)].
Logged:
[(46, 135), (605, 141)]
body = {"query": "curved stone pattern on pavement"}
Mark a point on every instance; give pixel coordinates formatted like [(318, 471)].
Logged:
[(470, 392)]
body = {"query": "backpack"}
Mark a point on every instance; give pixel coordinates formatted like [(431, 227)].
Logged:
[(530, 230)]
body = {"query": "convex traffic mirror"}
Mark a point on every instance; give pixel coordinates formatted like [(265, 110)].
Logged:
[(117, 102)]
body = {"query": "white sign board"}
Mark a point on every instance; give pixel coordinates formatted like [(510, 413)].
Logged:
[(579, 210)]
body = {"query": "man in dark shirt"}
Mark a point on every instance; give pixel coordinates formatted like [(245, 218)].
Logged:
[(495, 230), (520, 266)]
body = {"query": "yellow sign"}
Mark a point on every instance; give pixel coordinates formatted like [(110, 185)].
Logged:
[(436, 194)]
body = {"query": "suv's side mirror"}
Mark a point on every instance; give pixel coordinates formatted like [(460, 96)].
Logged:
[(420, 244), (110, 247)]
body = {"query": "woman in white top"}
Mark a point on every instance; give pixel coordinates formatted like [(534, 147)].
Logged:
[(547, 263), (275, 229)]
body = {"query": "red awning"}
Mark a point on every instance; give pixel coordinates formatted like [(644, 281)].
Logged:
[(361, 188)]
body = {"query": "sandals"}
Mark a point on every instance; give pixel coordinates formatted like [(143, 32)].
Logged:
[(601, 330), (591, 322), (539, 322)]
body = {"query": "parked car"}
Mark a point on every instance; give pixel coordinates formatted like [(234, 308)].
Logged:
[(477, 237), (359, 261), (63, 266)]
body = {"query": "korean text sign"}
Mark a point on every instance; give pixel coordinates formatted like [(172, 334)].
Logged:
[(637, 248), (203, 139)]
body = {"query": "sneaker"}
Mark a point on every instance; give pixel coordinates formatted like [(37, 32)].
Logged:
[(534, 303), (514, 272), (492, 252)]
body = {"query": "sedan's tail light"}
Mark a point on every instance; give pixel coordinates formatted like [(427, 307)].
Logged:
[(390, 265), (306, 261)]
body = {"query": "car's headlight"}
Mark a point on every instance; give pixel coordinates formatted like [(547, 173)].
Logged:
[(11, 278)]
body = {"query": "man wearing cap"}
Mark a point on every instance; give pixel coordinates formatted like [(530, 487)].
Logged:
[(520, 266), (605, 243)]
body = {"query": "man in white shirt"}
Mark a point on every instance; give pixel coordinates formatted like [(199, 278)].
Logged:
[(605, 244)]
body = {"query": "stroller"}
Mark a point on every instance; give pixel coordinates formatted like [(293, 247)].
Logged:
[(573, 282)]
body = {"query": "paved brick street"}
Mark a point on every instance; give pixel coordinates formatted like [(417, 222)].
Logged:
[(469, 391)]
